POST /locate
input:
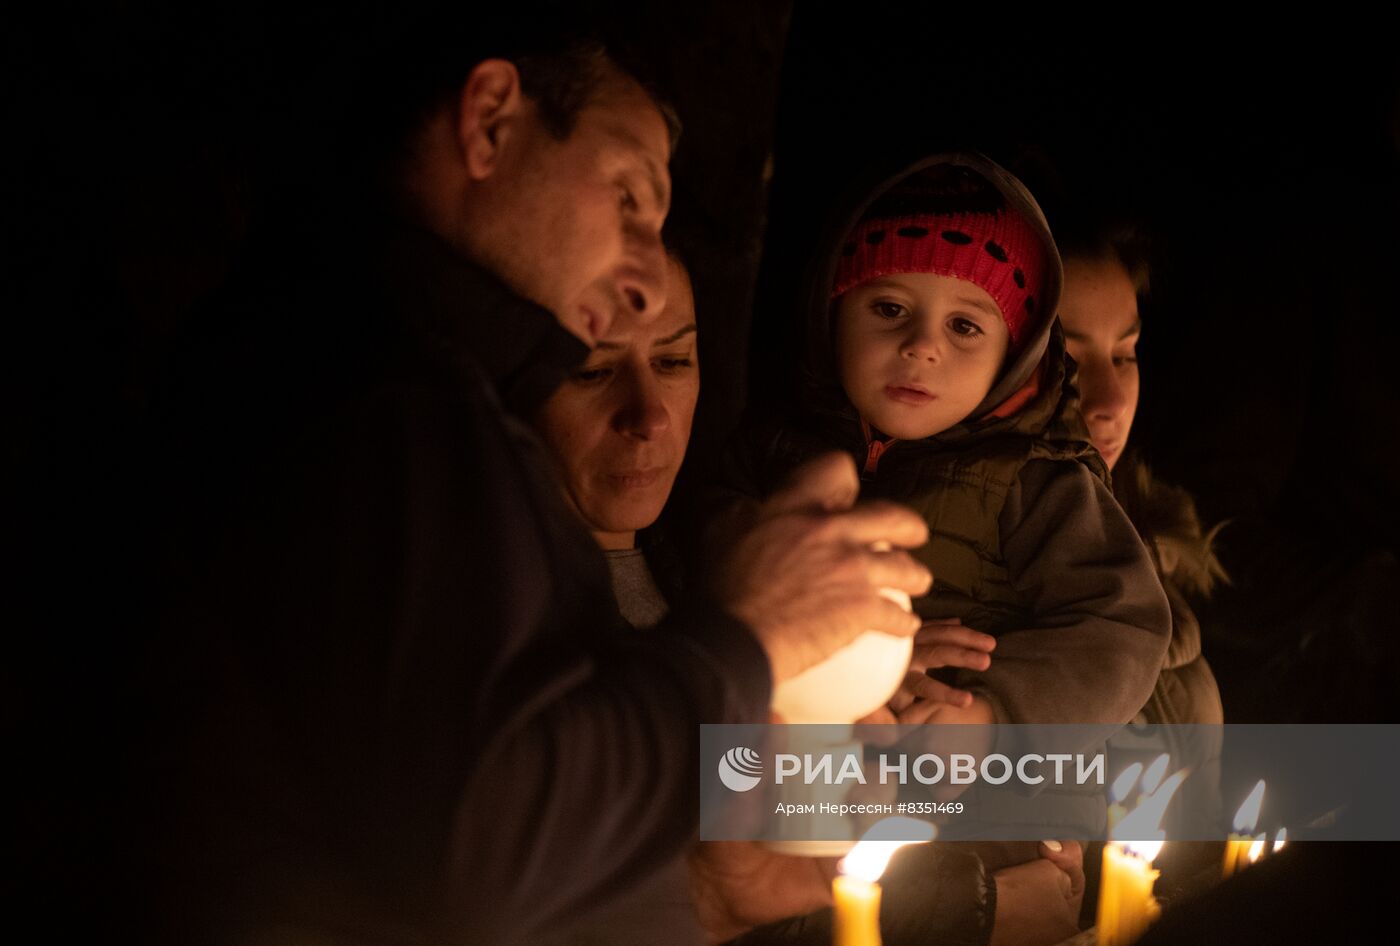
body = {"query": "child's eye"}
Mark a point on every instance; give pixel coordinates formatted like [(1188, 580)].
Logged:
[(965, 327), (889, 310), (1121, 360)]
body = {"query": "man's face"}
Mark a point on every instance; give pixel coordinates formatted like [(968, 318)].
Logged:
[(918, 352), (575, 225), (620, 424)]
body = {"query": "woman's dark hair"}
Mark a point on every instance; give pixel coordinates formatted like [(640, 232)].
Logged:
[(1123, 241)]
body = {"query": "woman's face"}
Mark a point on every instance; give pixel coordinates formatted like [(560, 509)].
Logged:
[(1099, 314), (620, 424)]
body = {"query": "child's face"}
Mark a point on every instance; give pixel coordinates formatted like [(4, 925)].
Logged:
[(918, 352)]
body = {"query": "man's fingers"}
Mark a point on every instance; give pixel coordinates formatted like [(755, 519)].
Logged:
[(827, 483), (898, 570), (917, 713), (905, 694), (882, 614), (879, 717), (943, 655), (941, 633), (923, 687), (880, 521)]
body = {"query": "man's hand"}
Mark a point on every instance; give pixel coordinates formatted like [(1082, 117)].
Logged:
[(1038, 902), (921, 699), (943, 642), (738, 885), (976, 712), (806, 577)]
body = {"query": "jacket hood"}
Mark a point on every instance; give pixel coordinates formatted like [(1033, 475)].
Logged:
[(819, 377)]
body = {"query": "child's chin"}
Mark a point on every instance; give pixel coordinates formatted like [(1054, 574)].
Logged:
[(891, 424)]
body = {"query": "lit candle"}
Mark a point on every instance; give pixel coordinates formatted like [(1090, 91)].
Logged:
[(1280, 840), (1237, 848), (856, 890), (857, 919), (1126, 905)]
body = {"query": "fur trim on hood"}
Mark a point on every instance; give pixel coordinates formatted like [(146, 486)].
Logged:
[(1165, 516)]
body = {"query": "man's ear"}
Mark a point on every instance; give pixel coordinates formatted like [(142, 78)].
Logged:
[(487, 109)]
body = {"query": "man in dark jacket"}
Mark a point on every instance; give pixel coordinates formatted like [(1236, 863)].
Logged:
[(394, 701)]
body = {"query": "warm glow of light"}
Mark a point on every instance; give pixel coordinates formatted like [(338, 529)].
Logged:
[(1124, 783), (1256, 850), (1153, 776), (1280, 840), (868, 859), (1140, 831), (1248, 815)]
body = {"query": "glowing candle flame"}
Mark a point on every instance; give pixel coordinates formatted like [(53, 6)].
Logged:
[(1248, 815), (1140, 831), (1280, 840), (1124, 783), (1153, 776), (1256, 849), (868, 859)]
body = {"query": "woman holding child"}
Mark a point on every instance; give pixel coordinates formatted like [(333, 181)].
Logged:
[(933, 358)]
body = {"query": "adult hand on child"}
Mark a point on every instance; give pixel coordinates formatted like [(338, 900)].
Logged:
[(1038, 902), (942, 642)]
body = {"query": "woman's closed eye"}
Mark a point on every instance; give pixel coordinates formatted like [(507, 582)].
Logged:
[(674, 364), (591, 375)]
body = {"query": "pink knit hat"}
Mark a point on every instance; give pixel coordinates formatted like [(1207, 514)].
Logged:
[(997, 251)]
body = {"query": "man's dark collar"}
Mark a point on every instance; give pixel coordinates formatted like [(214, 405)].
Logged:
[(471, 314)]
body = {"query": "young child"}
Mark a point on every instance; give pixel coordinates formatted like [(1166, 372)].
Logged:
[(934, 358)]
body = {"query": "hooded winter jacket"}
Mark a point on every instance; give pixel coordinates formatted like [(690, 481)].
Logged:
[(1027, 542)]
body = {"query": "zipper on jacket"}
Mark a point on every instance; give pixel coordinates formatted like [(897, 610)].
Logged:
[(874, 450), (872, 458)]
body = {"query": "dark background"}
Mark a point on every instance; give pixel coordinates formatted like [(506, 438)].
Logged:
[(147, 146)]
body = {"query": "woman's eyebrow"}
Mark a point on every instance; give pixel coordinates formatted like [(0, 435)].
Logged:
[(1134, 329), (675, 336)]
